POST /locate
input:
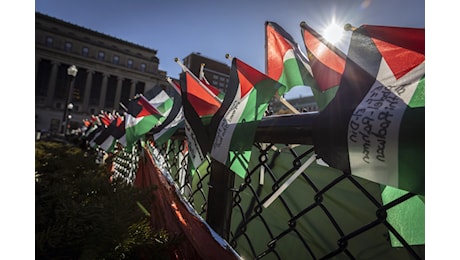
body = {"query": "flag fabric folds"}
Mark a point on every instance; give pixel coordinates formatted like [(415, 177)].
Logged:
[(140, 118), (375, 126), (92, 126), (94, 132), (105, 118), (285, 61), (171, 212), (203, 100), (110, 135), (199, 104), (327, 64), (235, 123), (172, 122), (163, 103), (166, 130)]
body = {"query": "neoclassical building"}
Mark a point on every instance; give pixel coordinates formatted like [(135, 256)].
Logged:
[(110, 72)]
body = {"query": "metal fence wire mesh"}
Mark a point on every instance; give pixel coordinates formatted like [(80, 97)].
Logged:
[(322, 214)]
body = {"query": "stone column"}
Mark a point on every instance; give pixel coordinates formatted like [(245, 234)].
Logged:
[(52, 83), (103, 91), (88, 83), (37, 65), (118, 94), (132, 90)]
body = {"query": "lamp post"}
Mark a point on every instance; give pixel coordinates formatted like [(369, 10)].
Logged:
[(69, 117), (72, 73)]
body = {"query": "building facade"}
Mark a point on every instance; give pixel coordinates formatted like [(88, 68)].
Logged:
[(111, 71), (217, 73)]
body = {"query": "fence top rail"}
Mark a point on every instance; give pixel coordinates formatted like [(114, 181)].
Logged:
[(287, 129), (282, 129)]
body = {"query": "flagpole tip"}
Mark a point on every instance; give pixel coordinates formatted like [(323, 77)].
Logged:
[(349, 27), (227, 55), (176, 59), (303, 23)]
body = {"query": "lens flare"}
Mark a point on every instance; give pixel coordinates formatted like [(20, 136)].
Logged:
[(333, 33)]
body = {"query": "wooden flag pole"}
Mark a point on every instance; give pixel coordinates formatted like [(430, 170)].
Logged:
[(173, 85), (289, 181), (201, 75), (124, 107), (287, 104), (349, 27)]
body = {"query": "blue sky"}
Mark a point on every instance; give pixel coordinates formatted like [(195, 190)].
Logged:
[(214, 28)]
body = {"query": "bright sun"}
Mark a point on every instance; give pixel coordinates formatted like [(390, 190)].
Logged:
[(333, 33)]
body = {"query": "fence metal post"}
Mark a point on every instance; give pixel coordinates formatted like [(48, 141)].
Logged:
[(220, 199)]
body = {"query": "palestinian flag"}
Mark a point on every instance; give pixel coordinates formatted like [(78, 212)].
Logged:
[(327, 64), (105, 118), (96, 130), (203, 100), (199, 105), (140, 118), (285, 61), (107, 139), (163, 103), (235, 123), (114, 132), (375, 125), (173, 121), (92, 126), (169, 129)]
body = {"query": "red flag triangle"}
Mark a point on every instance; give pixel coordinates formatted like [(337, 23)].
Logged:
[(401, 54)]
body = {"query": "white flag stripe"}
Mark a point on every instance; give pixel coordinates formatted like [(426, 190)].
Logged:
[(373, 130), (227, 126), (159, 99), (175, 122)]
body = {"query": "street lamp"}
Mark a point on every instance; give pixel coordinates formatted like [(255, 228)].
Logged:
[(72, 73), (69, 117)]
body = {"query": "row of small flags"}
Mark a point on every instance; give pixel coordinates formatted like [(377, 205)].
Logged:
[(371, 102)]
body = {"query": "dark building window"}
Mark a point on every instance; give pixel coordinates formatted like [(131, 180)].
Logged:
[(130, 63), (125, 90), (79, 85), (95, 89), (41, 83), (143, 66), (62, 83), (85, 51), (116, 59), (140, 87), (110, 94), (100, 55), (68, 46), (49, 41)]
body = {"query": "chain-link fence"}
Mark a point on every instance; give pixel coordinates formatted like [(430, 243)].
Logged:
[(322, 214)]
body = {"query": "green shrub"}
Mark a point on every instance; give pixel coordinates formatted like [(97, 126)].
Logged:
[(80, 214)]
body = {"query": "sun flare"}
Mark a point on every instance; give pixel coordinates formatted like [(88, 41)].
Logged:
[(333, 33)]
